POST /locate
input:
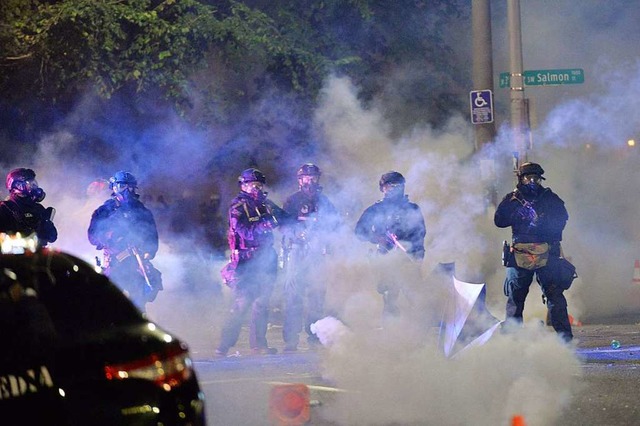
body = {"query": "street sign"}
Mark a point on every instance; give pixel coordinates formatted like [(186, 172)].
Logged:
[(553, 77), (481, 106), (505, 79), (546, 77)]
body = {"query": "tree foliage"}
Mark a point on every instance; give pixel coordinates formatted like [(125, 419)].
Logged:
[(57, 50)]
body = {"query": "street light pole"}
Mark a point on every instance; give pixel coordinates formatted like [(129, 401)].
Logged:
[(519, 110)]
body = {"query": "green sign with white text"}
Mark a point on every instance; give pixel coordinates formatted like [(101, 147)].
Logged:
[(546, 77)]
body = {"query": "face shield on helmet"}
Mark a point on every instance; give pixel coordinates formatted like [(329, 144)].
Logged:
[(124, 186), (530, 177), (22, 183), (252, 182), (309, 179), (255, 189)]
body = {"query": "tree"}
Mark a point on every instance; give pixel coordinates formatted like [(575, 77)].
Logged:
[(212, 59)]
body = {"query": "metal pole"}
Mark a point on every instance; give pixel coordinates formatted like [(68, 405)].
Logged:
[(483, 80), (482, 63), (519, 120)]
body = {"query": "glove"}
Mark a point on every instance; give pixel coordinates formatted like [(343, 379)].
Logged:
[(266, 224), (385, 244), (528, 214)]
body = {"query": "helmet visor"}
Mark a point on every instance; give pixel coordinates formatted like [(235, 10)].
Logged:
[(118, 187), (254, 188), (26, 186), (308, 180), (531, 179)]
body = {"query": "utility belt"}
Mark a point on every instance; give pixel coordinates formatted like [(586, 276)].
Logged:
[(529, 256), (244, 254), (120, 256)]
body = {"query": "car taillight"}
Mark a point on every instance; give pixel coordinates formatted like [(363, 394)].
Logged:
[(167, 369)]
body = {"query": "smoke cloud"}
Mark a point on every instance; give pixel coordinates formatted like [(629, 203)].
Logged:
[(393, 372)]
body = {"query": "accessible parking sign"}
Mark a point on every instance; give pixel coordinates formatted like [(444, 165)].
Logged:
[(481, 106)]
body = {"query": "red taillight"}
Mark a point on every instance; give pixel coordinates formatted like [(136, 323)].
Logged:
[(166, 369)]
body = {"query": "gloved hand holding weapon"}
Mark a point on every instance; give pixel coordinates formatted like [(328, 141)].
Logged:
[(143, 270)]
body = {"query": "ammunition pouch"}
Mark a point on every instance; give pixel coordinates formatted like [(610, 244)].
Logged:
[(155, 279), (559, 271), (531, 256)]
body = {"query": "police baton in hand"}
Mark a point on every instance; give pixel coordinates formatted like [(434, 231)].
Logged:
[(398, 244), (143, 271)]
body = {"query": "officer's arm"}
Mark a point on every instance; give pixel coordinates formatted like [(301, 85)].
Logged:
[(96, 232), (506, 211), (47, 231)]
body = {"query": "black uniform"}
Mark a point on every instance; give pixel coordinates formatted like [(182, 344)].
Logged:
[(393, 224), (127, 233), (22, 214), (537, 216), (305, 247), (252, 269)]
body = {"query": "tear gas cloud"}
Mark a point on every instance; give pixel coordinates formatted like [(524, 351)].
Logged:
[(579, 141)]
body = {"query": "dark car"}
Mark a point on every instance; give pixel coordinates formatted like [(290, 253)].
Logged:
[(76, 351)]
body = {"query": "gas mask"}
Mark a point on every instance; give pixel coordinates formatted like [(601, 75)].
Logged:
[(530, 184), (309, 185), (254, 190), (29, 190), (124, 192), (393, 191)]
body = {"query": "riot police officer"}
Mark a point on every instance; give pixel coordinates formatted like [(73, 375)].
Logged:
[(252, 268), (537, 217), (305, 247), (22, 211), (126, 230), (393, 224)]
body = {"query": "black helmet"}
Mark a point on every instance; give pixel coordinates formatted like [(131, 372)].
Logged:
[(124, 177), (19, 175), (530, 169), (391, 177), (252, 175), (309, 169)]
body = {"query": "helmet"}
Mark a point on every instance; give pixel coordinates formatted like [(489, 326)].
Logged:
[(530, 169), (19, 175), (309, 169), (391, 177), (252, 175), (124, 177), (309, 178), (22, 183)]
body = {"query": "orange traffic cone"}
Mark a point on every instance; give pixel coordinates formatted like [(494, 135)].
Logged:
[(574, 322), (518, 421), (636, 272), (289, 405)]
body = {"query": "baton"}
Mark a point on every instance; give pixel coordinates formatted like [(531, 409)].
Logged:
[(400, 246), (143, 271)]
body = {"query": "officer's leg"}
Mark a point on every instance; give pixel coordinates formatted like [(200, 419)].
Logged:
[(516, 288), (315, 305), (557, 306), (125, 274), (233, 322), (390, 297), (260, 311), (293, 304)]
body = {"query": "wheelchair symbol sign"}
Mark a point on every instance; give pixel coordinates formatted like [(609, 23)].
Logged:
[(481, 106)]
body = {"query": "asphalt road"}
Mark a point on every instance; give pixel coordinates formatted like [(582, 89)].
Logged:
[(610, 375), (237, 388)]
